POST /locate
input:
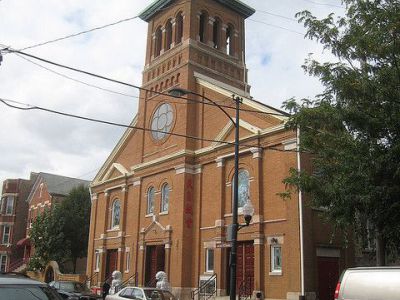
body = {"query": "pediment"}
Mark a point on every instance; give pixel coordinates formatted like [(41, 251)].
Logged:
[(116, 170), (227, 134), (155, 231)]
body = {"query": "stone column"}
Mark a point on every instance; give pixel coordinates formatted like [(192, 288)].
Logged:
[(163, 39), (173, 28), (209, 32), (106, 211), (124, 203)]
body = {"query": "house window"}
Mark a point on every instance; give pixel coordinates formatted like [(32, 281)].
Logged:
[(179, 28), (244, 188), (127, 261), (276, 258), (168, 35), (6, 234), (97, 261), (209, 260), (10, 205), (150, 200), (116, 214), (3, 262), (165, 198)]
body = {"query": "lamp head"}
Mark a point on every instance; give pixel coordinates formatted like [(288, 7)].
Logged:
[(248, 212)]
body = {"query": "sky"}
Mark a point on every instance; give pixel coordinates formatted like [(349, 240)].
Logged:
[(36, 141)]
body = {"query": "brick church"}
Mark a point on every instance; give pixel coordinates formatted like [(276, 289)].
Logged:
[(163, 198)]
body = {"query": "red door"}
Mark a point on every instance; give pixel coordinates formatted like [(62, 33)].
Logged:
[(155, 262), (245, 267), (111, 263), (328, 276)]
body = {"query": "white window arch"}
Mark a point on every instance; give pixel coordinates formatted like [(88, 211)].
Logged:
[(150, 200), (165, 198), (115, 214), (244, 187)]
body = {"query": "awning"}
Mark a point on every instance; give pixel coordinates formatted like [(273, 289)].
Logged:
[(24, 242)]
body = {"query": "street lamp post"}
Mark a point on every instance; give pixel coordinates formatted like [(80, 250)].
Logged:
[(248, 209)]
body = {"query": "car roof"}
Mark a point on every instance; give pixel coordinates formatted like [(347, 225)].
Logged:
[(12, 279)]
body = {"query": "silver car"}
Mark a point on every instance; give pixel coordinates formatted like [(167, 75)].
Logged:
[(141, 294), (376, 283)]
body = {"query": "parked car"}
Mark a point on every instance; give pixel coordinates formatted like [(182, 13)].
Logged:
[(73, 290), (376, 283), (141, 294), (19, 287)]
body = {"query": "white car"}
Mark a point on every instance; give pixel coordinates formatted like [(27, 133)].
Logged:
[(141, 294)]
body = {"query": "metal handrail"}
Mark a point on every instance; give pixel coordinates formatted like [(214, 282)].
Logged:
[(151, 282), (246, 288), (90, 279), (17, 264), (203, 286), (133, 277)]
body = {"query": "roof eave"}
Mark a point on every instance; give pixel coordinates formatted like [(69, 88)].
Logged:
[(236, 5)]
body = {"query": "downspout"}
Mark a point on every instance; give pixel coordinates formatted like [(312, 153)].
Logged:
[(302, 295)]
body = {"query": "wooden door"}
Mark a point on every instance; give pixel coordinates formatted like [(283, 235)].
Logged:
[(245, 266), (328, 276), (155, 262), (111, 263)]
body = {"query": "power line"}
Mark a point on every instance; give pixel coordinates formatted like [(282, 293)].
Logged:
[(276, 15), (34, 107), (128, 84), (324, 4), (277, 26)]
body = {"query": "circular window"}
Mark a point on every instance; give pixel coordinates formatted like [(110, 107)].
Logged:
[(162, 121)]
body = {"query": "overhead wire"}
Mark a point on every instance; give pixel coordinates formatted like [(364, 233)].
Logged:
[(324, 4), (129, 84), (29, 107)]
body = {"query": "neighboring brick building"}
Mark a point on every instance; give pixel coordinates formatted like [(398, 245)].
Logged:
[(48, 189), (163, 201), (13, 218)]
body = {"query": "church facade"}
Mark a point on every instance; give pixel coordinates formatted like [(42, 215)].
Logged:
[(163, 199)]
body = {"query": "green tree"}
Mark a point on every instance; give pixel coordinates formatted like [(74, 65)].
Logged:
[(352, 128), (48, 239), (75, 213), (62, 233)]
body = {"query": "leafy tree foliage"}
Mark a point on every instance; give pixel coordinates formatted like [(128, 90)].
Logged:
[(352, 128), (62, 233), (75, 210), (48, 238)]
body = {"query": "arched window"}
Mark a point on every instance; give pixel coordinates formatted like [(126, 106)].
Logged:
[(216, 33), (244, 187), (203, 26), (229, 40), (157, 42), (115, 214), (164, 198), (150, 200), (178, 28), (168, 35)]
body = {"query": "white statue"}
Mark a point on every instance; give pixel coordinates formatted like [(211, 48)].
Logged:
[(116, 282), (162, 281)]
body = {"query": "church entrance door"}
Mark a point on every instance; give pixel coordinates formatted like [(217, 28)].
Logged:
[(155, 262)]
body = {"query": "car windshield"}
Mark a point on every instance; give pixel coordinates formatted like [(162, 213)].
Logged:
[(75, 287), (28, 293)]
